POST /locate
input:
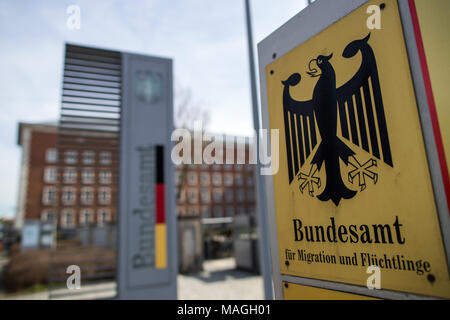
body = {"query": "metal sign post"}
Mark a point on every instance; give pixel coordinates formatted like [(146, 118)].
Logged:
[(147, 222), (263, 247), (359, 202)]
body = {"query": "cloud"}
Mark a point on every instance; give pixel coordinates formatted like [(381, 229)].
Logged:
[(206, 39)]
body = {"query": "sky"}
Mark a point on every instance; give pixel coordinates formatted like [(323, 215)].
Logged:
[(205, 38)]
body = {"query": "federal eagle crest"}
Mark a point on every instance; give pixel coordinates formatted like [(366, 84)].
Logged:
[(364, 127)]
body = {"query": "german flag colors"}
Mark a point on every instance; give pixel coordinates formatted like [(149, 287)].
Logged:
[(160, 230)]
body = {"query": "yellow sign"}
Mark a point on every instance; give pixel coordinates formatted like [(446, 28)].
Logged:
[(354, 189), (292, 291)]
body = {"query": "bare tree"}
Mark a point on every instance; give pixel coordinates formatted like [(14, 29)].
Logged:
[(186, 113)]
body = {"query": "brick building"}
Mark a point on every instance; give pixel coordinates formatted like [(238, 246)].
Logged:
[(81, 184), (215, 191)]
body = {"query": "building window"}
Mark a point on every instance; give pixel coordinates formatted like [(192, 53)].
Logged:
[(218, 211), (238, 167), (87, 176), (71, 157), (241, 210), (228, 167), (51, 155), (68, 196), (204, 179), (105, 176), (104, 195), (229, 195), (217, 195), (178, 178), (228, 179), (192, 178), (88, 157), (181, 196), (70, 175), (230, 211), (206, 212), (250, 195), (48, 216), (193, 211), (49, 195), (192, 195), (105, 157), (181, 211), (50, 174), (103, 217), (87, 195), (86, 217), (240, 195), (67, 219), (205, 195), (238, 179), (249, 167), (250, 180), (217, 179)]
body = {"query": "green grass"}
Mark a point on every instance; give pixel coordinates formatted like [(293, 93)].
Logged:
[(36, 288)]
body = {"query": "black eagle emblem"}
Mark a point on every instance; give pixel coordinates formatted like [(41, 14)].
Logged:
[(360, 98)]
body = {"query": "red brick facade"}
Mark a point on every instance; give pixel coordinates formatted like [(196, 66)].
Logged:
[(86, 184), (80, 190)]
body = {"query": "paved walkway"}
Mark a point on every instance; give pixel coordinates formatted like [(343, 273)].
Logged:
[(219, 281)]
